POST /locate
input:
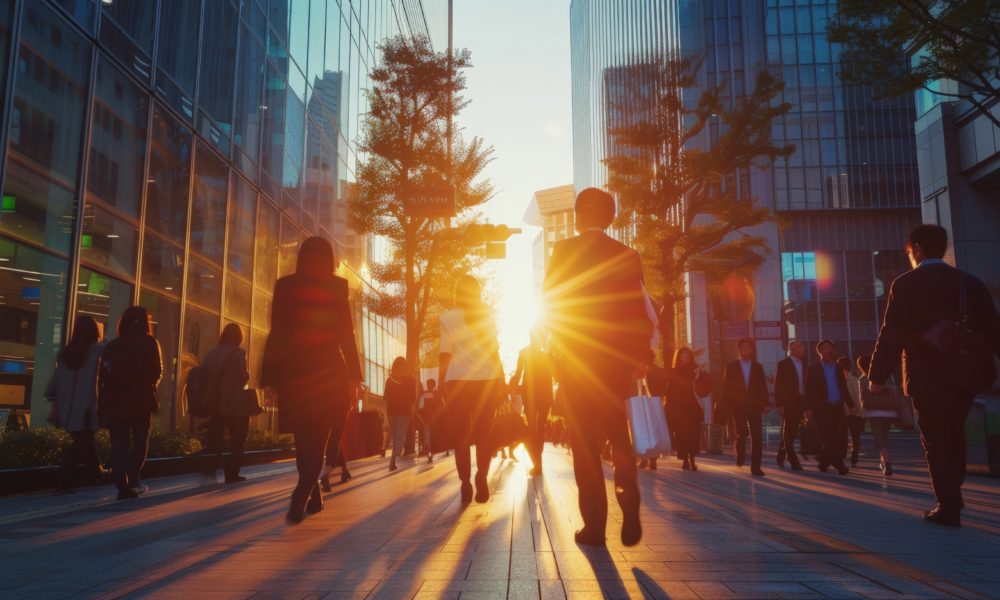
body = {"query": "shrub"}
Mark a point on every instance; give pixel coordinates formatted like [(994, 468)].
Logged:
[(265, 440), (32, 447), (172, 443)]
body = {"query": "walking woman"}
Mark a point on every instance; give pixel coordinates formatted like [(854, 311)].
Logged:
[(473, 382), (311, 363), (881, 410), (73, 393), (400, 402), (228, 364), (684, 407), (127, 378)]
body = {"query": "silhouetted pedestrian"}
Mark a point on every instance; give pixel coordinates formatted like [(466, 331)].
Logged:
[(533, 380), (854, 423), (944, 324), (685, 409), (601, 331), (789, 400), (73, 393), (311, 361), (429, 409), (826, 398), (745, 397), (473, 382), (881, 410), (400, 401), (129, 372), (227, 363)]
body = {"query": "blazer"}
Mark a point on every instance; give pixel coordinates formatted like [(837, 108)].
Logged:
[(595, 308), (534, 373), (127, 378), (736, 394), (786, 385), (918, 299), (816, 393), (229, 365), (311, 354)]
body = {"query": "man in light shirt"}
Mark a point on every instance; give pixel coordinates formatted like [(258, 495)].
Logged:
[(745, 397)]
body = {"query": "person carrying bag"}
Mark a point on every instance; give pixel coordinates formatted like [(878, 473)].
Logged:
[(232, 404), (647, 423)]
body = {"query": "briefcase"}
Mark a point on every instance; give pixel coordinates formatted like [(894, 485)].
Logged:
[(647, 424)]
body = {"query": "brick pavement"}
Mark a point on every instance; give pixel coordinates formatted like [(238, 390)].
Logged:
[(717, 533)]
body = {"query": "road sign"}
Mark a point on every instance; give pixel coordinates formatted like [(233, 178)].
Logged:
[(431, 202), (767, 330), (735, 330)]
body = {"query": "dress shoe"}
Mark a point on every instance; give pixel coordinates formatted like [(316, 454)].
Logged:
[(466, 492), (235, 479), (741, 459), (941, 516), (757, 472), (590, 538), (294, 517), (694, 467), (345, 476), (796, 467), (631, 530), (823, 467), (140, 489), (686, 466), (324, 483), (843, 470), (482, 488), (392, 464), (315, 503), (126, 494), (780, 458)]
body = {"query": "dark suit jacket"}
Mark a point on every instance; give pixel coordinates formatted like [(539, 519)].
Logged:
[(534, 373), (919, 299), (311, 353), (736, 394), (595, 310), (786, 385), (816, 394)]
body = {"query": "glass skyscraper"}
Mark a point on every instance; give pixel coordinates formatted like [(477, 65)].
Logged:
[(846, 197), (173, 154)]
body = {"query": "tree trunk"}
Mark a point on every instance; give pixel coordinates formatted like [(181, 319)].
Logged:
[(412, 330)]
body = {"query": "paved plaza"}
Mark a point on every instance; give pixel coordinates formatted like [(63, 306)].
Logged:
[(716, 533)]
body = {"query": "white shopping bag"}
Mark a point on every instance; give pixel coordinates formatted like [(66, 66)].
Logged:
[(647, 423)]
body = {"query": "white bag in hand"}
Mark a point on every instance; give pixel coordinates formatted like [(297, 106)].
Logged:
[(647, 423)]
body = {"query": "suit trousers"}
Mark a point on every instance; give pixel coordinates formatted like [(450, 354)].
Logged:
[(129, 445), (473, 405), (830, 423), (83, 451), (748, 423), (854, 426), (595, 418), (942, 433), (238, 428), (789, 431), (537, 417), (310, 446)]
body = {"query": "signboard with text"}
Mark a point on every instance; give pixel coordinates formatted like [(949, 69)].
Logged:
[(735, 330), (431, 202), (767, 330)]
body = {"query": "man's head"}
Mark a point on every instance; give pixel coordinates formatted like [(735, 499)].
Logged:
[(431, 385), (595, 209), (827, 350), (926, 241), (537, 337), (797, 349), (746, 348), (845, 363)]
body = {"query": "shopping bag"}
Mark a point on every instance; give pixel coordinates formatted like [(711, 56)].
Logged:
[(647, 423)]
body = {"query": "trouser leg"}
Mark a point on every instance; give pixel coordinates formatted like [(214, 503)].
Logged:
[(69, 468), (623, 457), (942, 432), (140, 447), (756, 437), (593, 501), (831, 433), (309, 446), (238, 427), (789, 431), (121, 437), (742, 432)]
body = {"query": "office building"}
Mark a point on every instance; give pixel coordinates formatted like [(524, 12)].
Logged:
[(552, 210)]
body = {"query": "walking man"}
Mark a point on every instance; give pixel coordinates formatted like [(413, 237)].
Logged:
[(745, 397), (790, 398), (826, 398), (920, 303), (534, 376), (600, 335)]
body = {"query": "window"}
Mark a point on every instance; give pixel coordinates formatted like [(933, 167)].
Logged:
[(177, 55), (166, 313), (5, 7), (208, 205), (218, 65), (103, 298), (168, 180), (266, 267), (127, 30), (108, 242), (239, 248), (249, 87)]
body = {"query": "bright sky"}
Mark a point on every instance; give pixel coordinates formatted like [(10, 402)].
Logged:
[(519, 85)]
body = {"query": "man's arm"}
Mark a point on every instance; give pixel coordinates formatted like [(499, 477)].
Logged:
[(988, 316), (889, 344), (780, 386)]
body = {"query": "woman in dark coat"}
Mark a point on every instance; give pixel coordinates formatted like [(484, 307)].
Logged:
[(127, 377), (683, 407), (228, 364), (311, 361), (400, 402), (73, 393)]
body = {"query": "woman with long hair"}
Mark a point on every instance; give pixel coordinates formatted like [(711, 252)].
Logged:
[(685, 410), (228, 364), (400, 401), (127, 378), (73, 393), (311, 362), (473, 382)]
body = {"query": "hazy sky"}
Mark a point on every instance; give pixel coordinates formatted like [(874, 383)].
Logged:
[(519, 85)]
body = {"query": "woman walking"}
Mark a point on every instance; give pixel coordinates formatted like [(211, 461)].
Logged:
[(473, 382), (228, 364), (400, 401), (311, 363), (881, 410), (129, 372), (684, 407), (73, 393)]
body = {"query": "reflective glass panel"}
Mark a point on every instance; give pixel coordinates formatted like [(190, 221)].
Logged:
[(266, 265), (204, 284), (36, 209), (242, 210), (169, 171), (288, 251), (103, 298), (108, 241), (162, 264), (238, 294), (208, 205), (82, 11), (118, 140), (201, 334), (247, 121), (262, 309), (218, 64), (177, 56), (5, 6), (166, 314), (127, 31)]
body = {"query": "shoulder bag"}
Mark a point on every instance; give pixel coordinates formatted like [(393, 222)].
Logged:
[(966, 356)]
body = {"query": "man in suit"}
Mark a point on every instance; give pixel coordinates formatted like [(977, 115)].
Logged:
[(534, 376), (745, 397), (826, 398), (918, 300), (595, 310), (789, 399)]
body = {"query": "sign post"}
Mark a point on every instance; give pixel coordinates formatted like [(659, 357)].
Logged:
[(430, 202)]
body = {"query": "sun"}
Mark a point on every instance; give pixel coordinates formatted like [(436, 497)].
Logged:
[(518, 311)]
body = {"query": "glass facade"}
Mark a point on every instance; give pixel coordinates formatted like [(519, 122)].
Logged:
[(174, 153)]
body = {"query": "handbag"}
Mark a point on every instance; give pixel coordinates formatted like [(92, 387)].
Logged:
[(966, 357), (509, 427), (647, 423)]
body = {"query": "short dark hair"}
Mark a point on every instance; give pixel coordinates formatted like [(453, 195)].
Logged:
[(821, 342), (594, 208), (232, 335), (932, 239), (864, 363)]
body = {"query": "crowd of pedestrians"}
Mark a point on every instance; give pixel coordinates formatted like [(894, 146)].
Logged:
[(584, 365)]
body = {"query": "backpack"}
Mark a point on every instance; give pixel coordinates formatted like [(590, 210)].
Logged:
[(200, 392)]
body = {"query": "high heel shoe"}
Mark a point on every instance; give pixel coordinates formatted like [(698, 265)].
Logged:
[(694, 467), (345, 476)]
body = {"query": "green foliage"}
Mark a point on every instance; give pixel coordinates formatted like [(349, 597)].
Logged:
[(265, 440), (32, 447), (677, 188), (957, 40), (173, 443), (404, 142)]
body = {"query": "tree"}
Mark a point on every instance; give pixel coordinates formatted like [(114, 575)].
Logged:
[(415, 92), (675, 167), (956, 40)]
